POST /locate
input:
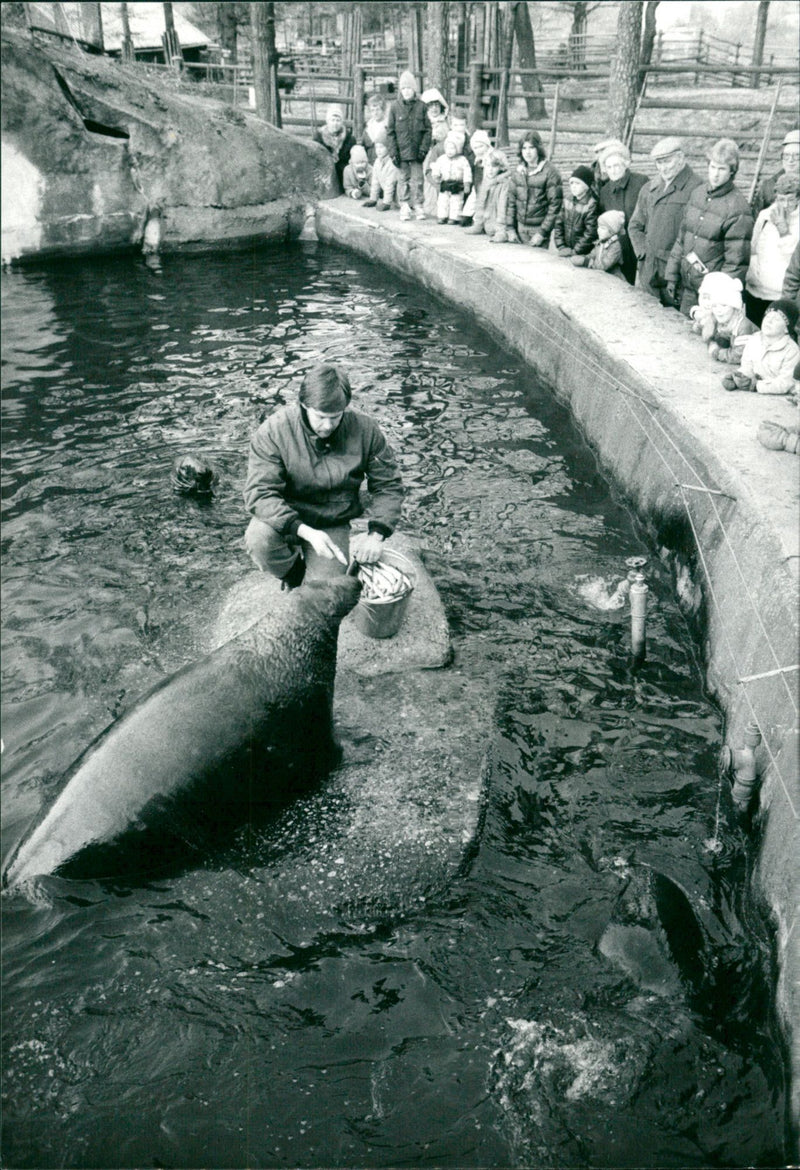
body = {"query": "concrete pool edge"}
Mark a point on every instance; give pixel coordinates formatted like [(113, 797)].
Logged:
[(685, 452)]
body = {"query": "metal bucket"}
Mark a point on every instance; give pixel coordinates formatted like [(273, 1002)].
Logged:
[(383, 618)]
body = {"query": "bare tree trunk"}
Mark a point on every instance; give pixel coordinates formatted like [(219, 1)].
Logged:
[(437, 65), (127, 40), (462, 45), (265, 60), (507, 57), (415, 39), (227, 29), (624, 80), (172, 46), (648, 38), (760, 38), (577, 34), (526, 46)]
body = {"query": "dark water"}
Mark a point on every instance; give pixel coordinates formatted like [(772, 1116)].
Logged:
[(241, 1015)]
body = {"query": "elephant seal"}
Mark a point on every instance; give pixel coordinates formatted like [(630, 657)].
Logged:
[(192, 476), (215, 744)]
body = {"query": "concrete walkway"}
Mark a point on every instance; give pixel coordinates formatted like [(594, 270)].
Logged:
[(721, 506)]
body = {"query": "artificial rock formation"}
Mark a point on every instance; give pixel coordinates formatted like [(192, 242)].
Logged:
[(90, 147)]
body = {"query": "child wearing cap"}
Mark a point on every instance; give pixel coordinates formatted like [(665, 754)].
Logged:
[(575, 230), (769, 357), (408, 137), (357, 174), (607, 254), (719, 317), (453, 175)]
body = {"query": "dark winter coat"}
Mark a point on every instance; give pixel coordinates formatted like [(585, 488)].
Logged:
[(341, 160), (653, 227), (716, 226), (294, 477), (765, 193), (408, 131), (622, 196), (534, 200), (576, 226)]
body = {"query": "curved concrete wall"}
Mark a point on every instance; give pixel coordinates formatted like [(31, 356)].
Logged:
[(685, 451)]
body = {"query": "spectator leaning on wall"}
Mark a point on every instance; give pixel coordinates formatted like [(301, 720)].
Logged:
[(654, 224), (715, 231)]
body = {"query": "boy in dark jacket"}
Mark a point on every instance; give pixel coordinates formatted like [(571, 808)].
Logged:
[(408, 136), (576, 226)]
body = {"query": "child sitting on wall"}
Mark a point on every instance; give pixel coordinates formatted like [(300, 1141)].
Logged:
[(608, 253), (357, 174), (453, 174), (490, 206), (769, 357), (575, 230), (385, 177), (719, 317)]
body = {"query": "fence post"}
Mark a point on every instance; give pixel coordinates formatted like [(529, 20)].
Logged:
[(358, 101), (699, 55), (734, 76), (554, 124), (475, 114)]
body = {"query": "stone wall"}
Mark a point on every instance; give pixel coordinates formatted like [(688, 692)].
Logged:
[(91, 146), (721, 507)]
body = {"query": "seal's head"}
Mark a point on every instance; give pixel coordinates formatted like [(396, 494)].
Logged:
[(192, 476)]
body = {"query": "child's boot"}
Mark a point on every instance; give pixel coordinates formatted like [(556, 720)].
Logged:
[(405, 211), (419, 213), (370, 202)]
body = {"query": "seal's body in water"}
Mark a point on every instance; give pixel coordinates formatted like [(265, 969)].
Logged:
[(208, 748)]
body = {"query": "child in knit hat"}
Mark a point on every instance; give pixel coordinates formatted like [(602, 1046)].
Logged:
[(408, 136), (719, 317), (490, 205), (575, 230), (607, 254), (769, 357), (453, 174), (357, 174), (385, 177), (480, 144)]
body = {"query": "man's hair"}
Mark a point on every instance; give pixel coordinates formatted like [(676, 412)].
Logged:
[(326, 388)]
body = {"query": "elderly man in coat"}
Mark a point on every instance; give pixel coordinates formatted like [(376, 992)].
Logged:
[(653, 227), (715, 231)]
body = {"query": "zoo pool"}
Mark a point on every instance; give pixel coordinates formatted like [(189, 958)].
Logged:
[(593, 987)]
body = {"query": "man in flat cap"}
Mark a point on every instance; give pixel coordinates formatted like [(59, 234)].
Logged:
[(654, 224), (790, 165)]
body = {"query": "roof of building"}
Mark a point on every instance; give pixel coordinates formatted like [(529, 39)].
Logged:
[(147, 27)]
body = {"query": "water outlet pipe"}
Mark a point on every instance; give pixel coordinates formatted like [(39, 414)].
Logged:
[(742, 766), (638, 596)]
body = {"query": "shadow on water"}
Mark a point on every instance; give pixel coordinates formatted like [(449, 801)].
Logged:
[(590, 986)]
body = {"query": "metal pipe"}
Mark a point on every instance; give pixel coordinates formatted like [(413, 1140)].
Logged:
[(638, 595), (742, 766)]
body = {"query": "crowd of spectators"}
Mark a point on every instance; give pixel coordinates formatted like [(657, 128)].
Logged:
[(693, 242)]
